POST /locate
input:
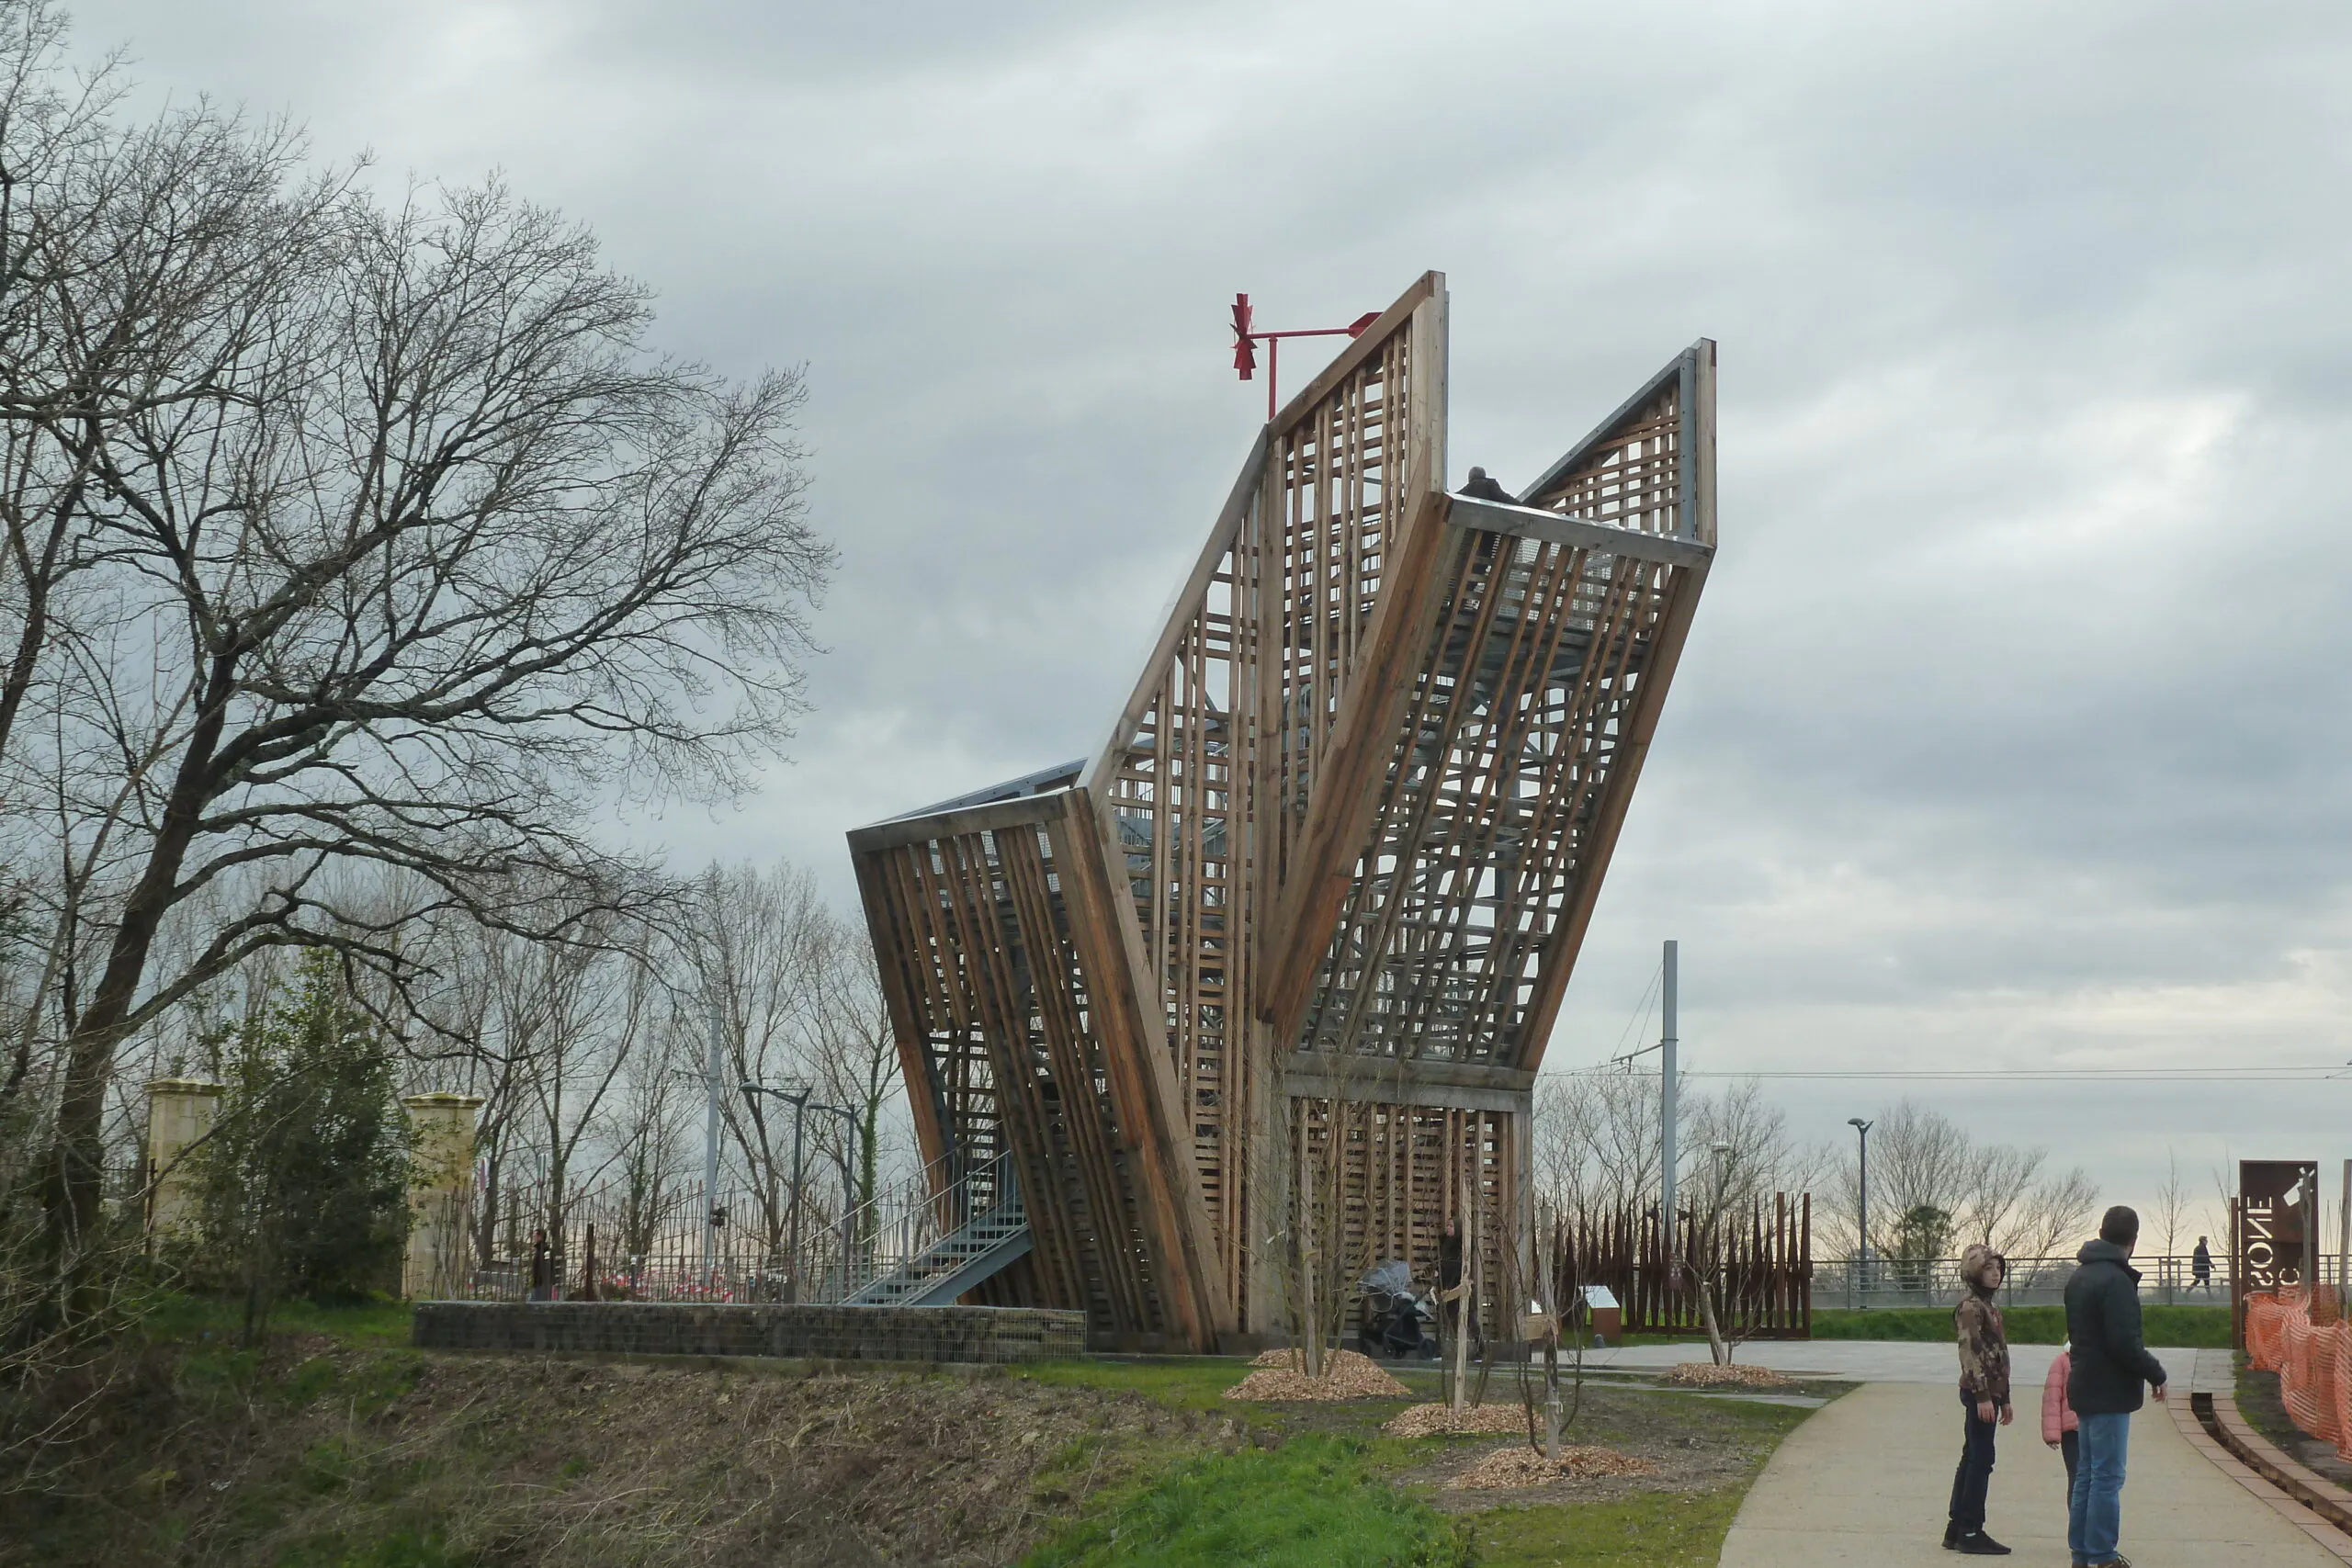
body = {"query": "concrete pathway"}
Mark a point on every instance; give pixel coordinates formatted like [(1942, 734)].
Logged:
[(1867, 1360), (1867, 1480)]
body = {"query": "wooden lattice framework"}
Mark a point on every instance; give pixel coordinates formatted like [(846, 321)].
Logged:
[(1332, 868)]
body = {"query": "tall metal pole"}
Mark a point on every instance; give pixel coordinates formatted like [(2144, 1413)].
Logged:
[(710, 1150), (1667, 1045), (799, 1118), (1863, 1127), (2313, 1237), (2344, 1239)]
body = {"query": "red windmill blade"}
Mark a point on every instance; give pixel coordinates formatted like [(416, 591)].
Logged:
[(1245, 338)]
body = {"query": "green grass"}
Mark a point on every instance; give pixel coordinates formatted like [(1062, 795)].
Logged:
[(1315, 1500), (1656, 1529), (1193, 1385), (378, 1325), (2197, 1327)]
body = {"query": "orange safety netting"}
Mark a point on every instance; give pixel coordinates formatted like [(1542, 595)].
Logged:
[(2313, 1360)]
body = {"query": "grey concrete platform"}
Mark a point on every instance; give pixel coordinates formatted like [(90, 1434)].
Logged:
[(1867, 1479)]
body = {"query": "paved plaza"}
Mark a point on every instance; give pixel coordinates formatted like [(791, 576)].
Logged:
[(1868, 1478), (1864, 1361)]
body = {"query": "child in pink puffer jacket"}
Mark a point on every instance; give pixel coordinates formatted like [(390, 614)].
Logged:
[(2058, 1421)]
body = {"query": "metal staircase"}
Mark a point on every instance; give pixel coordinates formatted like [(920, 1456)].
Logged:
[(994, 1235)]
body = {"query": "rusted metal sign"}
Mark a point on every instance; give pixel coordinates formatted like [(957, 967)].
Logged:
[(2275, 1229)]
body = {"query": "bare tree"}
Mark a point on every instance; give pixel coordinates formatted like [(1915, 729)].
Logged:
[(423, 555), (1923, 1162), (2172, 1203), (853, 1050), (649, 1138), (590, 1012), (762, 937), (2054, 1215)]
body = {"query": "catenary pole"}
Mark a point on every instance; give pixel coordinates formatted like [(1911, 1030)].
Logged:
[(1665, 1107), (1862, 1128), (710, 1150)]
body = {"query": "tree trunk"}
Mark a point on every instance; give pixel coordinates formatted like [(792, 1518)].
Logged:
[(1552, 1388), (1715, 1344), (73, 1182)]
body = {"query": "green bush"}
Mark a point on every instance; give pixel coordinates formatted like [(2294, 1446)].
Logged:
[(2195, 1327), (1313, 1501), (305, 1177)]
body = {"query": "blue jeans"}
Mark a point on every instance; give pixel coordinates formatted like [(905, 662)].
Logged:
[(2095, 1512), (1974, 1472)]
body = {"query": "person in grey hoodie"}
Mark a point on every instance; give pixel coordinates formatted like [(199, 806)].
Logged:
[(2112, 1362)]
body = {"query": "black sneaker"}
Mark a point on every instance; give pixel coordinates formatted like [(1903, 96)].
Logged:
[(1976, 1543), (1952, 1535)]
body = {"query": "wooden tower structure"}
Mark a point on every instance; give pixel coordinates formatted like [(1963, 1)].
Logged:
[(1329, 872)]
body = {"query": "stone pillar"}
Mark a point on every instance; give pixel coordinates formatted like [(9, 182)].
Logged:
[(440, 1195), (179, 1112)]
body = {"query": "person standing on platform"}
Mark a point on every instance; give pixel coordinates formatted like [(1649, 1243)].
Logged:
[(2110, 1364), (1983, 1400)]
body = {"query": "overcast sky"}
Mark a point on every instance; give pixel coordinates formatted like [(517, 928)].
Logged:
[(2012, 730)]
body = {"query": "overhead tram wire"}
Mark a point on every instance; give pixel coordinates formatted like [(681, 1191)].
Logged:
[(2301, 1073), (1640, 1020)]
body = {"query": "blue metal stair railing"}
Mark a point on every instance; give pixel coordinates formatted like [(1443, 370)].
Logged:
[(927, 1247)]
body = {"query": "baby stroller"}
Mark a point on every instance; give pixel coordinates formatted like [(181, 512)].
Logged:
[(1392, 1314)]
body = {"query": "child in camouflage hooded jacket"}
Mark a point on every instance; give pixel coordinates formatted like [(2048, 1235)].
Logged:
[(1984, 1398)]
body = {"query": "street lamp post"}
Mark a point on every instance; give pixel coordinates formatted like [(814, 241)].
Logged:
[(799, 1103), (1852, 1289), (849, 1191)]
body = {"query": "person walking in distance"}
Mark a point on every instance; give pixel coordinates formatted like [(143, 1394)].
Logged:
[(2110, 1363), (1983, 1400), (542, 1279), (2200, 1266)]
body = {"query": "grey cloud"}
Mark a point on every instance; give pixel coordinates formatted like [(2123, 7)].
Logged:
[(2017, 696)]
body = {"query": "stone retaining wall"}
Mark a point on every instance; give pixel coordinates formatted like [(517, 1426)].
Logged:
[(688, 1328)]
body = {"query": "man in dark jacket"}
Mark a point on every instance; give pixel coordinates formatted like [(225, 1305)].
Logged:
[(2110, 1362)]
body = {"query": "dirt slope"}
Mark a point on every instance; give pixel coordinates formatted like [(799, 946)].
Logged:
[(403, 1461)]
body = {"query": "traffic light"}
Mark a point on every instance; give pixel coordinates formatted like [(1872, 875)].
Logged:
[(1245, 353)]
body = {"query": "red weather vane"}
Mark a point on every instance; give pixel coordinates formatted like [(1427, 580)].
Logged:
[(1246, 341)]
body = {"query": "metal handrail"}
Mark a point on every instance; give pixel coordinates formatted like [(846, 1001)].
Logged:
[(899, 1228)]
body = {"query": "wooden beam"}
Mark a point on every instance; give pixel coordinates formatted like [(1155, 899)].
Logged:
[(1428, 285), (1181, 614), (1019, 811), (1446, 1097), (1363, 739), (1377, 1078), (1154, 1125), (1530, 522)]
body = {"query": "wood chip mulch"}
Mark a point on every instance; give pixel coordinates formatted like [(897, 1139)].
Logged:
[(1521, 1466), (1347, 1375), (1430, 1420), (1706, 1374)]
